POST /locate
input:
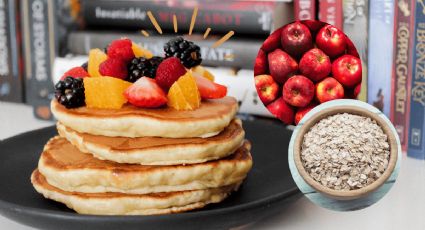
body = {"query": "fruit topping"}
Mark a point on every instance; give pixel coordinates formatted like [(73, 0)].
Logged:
[(329, 89), (267, 88), (140, 51), (85, 65), (347, 69), (188, 53), (113, 67), (201, 71), (70, 92), (209, 89), (296, 39), (331, 40), (96, 57), (122, 49), (146, 93), (143, 67), (168, 72), (184, 93), (105, 92), (76, 72)]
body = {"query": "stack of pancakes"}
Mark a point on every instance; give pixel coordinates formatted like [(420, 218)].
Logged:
[(136, 161)]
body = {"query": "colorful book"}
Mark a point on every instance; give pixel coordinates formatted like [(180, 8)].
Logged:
[(305, 9), (11, 83), (330, 11), (381, 19), (40, 50), (236, 52), (402, 68), (355, 14), (416, 147), (244, 17)]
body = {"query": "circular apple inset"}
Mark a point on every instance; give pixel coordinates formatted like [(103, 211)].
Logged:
[(303, 64)]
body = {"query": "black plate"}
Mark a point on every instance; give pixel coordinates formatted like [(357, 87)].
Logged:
[(268, 188)]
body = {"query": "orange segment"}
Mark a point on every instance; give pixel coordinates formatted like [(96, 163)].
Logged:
[(201, 71), (140, 51), (96, 57), (105, 92), (184, 94)]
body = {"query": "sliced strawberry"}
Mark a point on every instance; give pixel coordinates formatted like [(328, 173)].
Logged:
[(76, 72), (209, 89), (146, 93)]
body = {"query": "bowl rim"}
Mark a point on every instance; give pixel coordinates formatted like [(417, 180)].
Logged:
[(356, 110)]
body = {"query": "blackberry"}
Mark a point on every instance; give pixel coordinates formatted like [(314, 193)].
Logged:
[(139, 67), (188, 53), (85, 65), (70, 92)]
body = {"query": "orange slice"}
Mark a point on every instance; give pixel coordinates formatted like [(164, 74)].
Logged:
[(96, 57), (184, 94), (140, 51), (105, 92)]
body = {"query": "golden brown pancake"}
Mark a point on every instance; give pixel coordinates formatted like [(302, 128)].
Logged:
[(157, 150), (67, 168), (131, 204), (130, 121)]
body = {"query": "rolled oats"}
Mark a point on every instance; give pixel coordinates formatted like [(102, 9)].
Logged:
[(345, 151)]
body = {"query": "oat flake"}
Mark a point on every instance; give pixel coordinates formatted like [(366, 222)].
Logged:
[(345, 151)]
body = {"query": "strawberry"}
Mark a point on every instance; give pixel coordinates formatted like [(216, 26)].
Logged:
[(209, 89), (121, 48), (168, 72), (76, 72), (272, 42), (146, 93), (113, 67)]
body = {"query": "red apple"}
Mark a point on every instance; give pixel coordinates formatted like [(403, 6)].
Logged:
[(347, 69), (301, 112), (331, 40), (351, 49), (315, 64), (267, 88), (281, 65), (313, 25), (296, 39), (352, 93), (260, 66), (281, 110), (272, 42), (329, 89), (298, 91)]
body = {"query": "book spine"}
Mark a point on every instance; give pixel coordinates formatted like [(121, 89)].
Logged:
[(380, 22), (10, 53), (416, 146), (132, 14), (355, 14), (234, 53), (40, 49), (402, 68), (305, 9), (330, 11)]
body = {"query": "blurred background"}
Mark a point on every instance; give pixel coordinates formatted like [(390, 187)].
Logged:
[(41, 39)]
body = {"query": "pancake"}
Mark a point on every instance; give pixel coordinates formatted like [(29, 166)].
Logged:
[(131, 204), (67, 168), (157, 150), (129, 121)]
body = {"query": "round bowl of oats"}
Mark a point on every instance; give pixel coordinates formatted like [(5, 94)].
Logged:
[(345, 152)]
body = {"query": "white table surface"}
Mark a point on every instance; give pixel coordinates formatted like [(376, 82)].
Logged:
[(402, 208)]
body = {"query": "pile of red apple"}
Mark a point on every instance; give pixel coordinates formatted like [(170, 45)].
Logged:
[(303, 64)]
